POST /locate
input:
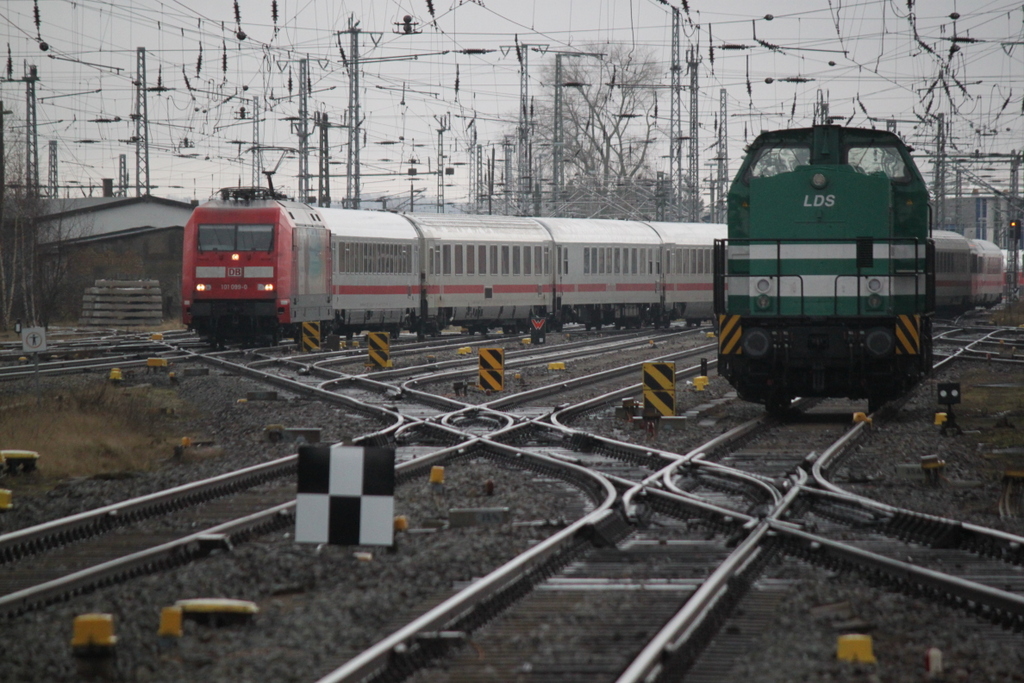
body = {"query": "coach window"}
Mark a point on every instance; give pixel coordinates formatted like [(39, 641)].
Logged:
[(458, 259), (693, 261), (515, 260), (538, 260), (657, 262), (679, 261), (527, 265), (482, 252), (586, 260), (446, 259), (600, 260), (470, 259), (547, 260), (504, 260), (565, 259), (618, 260), (367, 258), (494, 259)]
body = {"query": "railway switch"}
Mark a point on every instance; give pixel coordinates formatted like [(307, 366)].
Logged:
[(170, 622), (932, 466), (855, 647), (93, 635), (217, 611), (26, 461)]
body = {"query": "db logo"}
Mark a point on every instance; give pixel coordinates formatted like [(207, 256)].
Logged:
[(234, 272)]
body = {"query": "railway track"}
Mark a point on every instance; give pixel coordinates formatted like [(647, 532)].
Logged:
[(678, 560)]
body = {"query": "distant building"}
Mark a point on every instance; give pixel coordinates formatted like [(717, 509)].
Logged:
[(116, 238), (977, 216)]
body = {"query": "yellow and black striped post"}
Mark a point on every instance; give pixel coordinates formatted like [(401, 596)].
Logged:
[(659, 389), (492, 369), (908, 335), (730, 330), (378, 346), (310, 337)]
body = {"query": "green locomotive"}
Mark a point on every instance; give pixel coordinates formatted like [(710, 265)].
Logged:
[(825, 285)]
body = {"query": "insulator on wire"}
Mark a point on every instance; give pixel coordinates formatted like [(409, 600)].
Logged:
[(10, 63), (289, 80), (430, 8), (199, 61), (273, 12), (224, 58), (457, 82)]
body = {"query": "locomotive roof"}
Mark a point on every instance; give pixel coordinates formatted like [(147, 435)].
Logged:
[(804, 133)]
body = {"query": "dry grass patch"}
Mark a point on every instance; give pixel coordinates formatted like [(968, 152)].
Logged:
[(1012, 315), (98, 430), (993, 403)]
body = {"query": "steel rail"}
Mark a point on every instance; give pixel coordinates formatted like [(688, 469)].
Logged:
[(962, 590), (163, 556), (34, 539), (672, 637), (403, 641)]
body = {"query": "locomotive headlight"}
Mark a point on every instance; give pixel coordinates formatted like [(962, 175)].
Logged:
[(879, 342), (269, 287), (202, 287), (235, 257), (764, 285), (764, 302), (756, 342), (874, 301), (819, 181), (874, 285)]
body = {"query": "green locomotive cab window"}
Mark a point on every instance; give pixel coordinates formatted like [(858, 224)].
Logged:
[(871, 159), (775, 159)]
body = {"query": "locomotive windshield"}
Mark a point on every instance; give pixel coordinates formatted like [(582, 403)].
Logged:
[(236, 237), (775, 159), (877, 159)]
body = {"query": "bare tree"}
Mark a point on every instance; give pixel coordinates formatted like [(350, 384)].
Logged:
[(610, 122)]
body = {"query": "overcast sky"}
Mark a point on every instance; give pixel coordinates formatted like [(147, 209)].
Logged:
[(871, 58)]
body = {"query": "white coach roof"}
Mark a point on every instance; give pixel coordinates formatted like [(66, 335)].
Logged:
[(690, 233), (367, 224), (599, 231), (467, 228)]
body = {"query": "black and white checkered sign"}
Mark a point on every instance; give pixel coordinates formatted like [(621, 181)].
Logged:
[(346, 495)]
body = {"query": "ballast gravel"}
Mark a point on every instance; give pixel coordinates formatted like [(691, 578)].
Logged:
[(322, 605)]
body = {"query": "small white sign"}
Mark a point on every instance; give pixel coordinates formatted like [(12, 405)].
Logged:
[(33, 339)]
